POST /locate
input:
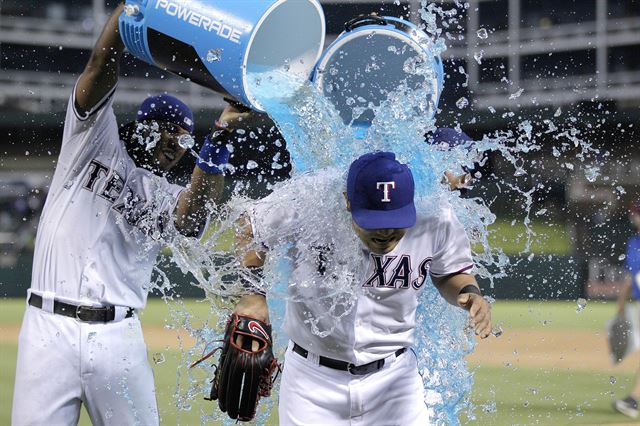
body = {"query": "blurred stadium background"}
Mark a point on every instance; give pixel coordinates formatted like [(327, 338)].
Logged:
[(577, 59)]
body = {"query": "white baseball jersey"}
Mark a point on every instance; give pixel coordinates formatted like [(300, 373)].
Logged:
[(381, 318), (97, 237)]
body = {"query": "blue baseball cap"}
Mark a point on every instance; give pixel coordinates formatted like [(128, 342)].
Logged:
[(450, 136), (166, 108), (380, 190)]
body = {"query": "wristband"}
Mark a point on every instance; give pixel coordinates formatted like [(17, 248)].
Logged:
[(470, 288), (212, 155)]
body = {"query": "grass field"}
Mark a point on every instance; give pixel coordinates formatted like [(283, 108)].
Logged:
[(548, 368)]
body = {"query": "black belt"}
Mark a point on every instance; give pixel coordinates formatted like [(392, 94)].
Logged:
[(82, 312), (357, 370)]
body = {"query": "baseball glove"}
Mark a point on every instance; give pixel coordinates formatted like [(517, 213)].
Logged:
[(244, 373)]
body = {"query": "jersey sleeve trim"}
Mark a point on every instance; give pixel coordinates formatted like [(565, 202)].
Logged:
[(96, 107), (448, 274)]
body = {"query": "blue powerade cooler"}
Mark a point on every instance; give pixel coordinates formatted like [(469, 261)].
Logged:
[(370, 59), (216, 43)]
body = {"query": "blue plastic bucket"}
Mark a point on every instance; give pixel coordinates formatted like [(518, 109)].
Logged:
[(369, 60), (216, 43)]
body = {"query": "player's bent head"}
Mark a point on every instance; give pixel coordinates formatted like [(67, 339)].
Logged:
[(161, 134), (380, 196)]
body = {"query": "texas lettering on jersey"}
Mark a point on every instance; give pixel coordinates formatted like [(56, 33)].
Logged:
[(133, 207), (401, 276)]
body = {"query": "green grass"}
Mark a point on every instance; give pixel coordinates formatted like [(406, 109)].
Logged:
[(548, 238), (555, 315), (522, 395), (546, 397)]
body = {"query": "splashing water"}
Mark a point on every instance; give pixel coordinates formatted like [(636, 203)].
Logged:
[(318, 138)]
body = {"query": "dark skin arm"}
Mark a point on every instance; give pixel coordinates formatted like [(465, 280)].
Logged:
[(191, 211), (479, 309), (100, 74)]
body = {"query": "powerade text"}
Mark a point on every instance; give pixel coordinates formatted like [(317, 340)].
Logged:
[(198, 20)]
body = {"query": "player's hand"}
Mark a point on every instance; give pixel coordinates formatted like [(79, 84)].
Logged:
[(479, 311), (457, 181), (233, 118), (254, 306)]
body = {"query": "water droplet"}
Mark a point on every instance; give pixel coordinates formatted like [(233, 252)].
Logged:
[(158, 358), (556, 152), (186, 141), (582, 303), (558, 112), (517, 94), (478, 56), (490, 407), (91, 336), (622, 257), (214, 55), (497, 331), (591, 173), (482, 34), (620, 190), (251, 165), (462, 103), (612, 380)]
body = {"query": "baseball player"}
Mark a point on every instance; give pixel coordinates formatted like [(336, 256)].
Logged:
[(108, 210), (351, 363), (631, 289)]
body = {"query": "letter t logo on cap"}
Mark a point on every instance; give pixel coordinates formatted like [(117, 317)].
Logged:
[(385, 190)]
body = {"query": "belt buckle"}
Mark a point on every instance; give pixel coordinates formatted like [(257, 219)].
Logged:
[(371, 367), (79, 311)]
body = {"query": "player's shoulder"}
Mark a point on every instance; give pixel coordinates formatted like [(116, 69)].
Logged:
[(434, 211)]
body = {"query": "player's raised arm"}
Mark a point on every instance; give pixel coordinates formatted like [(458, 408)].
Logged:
[(100, 74), (207, 180), (462, 290)]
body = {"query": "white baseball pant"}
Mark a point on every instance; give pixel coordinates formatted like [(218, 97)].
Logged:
[(311, 394), (63, 362)]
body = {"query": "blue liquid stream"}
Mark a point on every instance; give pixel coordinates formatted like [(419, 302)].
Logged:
[(316, 138)]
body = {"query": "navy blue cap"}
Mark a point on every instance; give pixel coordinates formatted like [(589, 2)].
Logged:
[(166, 108), (450, 136), (380, 190)]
